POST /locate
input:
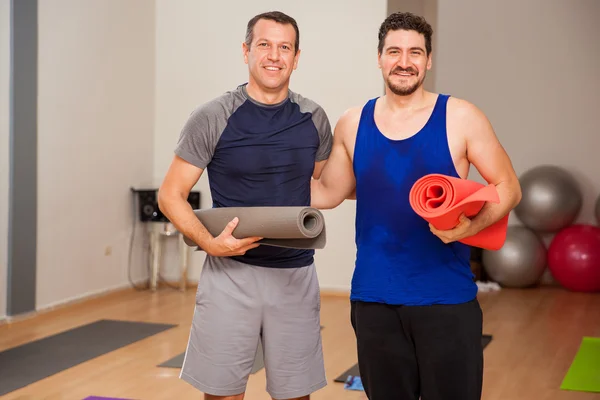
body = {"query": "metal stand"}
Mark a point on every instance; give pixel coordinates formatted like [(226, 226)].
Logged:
[(158, 232)]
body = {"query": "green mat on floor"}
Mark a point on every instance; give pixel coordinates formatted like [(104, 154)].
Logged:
[(584, 373)]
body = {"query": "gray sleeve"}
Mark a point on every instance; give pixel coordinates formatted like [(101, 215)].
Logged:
[(200, 134), (321, 122), (323, 126)]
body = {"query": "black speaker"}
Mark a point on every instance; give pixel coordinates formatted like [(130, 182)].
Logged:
[(148, 204)]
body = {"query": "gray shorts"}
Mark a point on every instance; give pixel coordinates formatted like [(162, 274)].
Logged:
[(238, 305)]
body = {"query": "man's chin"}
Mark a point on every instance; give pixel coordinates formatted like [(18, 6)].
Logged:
[(272, 86), (403, 90), (274, 81)]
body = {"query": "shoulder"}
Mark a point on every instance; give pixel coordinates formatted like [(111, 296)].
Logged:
[(318, 115), (463, 110), (306, 104), (347, 125), (350, 117), (465, 117), (219, 107)]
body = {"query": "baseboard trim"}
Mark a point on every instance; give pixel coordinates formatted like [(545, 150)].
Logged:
[(69, 302), (175, 284), (326, 291)]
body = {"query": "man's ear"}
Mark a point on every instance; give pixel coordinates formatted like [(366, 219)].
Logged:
[(296, 58), (245, 50)]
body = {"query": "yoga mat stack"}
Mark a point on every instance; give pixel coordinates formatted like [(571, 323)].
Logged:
[(441, 199), (291, 227)]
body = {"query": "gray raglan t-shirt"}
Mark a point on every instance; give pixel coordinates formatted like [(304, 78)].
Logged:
[(258, 155)]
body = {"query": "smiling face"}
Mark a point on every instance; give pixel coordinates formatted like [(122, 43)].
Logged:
[(271, 56), (404, 61)]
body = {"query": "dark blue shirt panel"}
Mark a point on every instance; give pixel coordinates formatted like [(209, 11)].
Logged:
[(265, 157)]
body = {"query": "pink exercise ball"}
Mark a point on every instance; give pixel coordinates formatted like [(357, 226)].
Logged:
[(574, 258)]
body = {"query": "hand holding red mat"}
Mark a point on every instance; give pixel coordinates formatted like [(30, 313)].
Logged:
[(441, 199)]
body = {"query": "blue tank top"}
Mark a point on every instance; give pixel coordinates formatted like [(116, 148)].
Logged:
[(399, 260)]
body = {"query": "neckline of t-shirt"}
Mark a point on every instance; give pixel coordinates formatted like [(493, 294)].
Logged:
[(258, 103)]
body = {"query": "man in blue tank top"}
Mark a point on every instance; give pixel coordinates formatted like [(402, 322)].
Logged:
[(261, 145), (415, 313)]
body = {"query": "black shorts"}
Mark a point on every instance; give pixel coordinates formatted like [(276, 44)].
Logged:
[(409, 351)]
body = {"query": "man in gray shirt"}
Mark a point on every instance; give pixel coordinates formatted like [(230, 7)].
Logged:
[(261, 144)]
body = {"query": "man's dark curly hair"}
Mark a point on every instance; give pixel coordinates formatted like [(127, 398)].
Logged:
[(276, 16), (408, 22)]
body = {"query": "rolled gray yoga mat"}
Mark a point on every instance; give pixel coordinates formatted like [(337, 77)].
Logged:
[(290, 227)]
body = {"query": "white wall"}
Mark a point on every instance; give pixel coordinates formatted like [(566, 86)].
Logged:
[(199, 56), (4, 143), (532, 67), (96, 122)]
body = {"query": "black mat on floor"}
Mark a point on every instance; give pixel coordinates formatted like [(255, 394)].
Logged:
[(30, 362), (485, 340)]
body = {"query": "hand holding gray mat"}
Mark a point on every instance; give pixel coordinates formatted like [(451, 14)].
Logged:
[(290, 227)]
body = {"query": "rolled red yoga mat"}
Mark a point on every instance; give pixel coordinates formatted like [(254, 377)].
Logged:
[(440, 199)]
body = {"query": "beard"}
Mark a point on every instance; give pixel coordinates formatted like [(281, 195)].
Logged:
[(404, 89)]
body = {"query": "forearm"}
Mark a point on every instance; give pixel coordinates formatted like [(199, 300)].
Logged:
[(180, 213), (509, 194)]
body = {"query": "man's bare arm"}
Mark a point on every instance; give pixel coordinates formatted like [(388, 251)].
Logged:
[(172, 201), (336, 182), (319, 165), (485, 153)]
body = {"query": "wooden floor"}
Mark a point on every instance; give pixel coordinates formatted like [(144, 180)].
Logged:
[(536, 334)]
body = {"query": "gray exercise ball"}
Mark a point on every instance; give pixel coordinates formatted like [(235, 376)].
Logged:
[(520, 262), (551, 200)]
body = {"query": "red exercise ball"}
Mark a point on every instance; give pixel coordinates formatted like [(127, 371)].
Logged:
[(574, 258)]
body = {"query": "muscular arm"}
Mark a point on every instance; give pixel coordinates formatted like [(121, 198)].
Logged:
[(485, 153), (172, 201), (336, 181), (319, 165)]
